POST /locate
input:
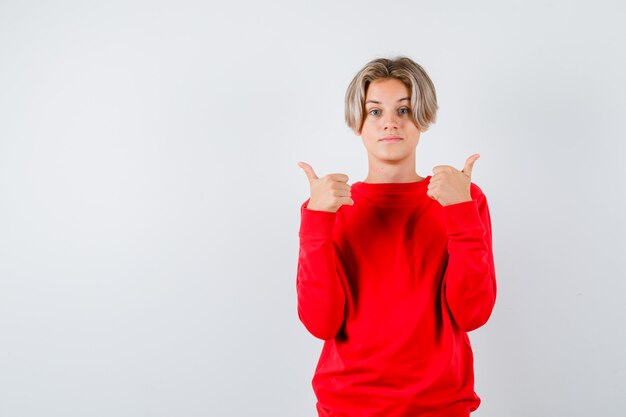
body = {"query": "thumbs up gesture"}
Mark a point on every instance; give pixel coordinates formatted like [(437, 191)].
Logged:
[(329, 192), (450, 186)]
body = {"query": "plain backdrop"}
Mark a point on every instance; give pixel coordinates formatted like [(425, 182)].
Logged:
[(149, 195)]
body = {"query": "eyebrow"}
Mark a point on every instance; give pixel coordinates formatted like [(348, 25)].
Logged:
[(378, 102)]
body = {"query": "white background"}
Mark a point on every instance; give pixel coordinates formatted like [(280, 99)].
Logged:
[(149, 195)]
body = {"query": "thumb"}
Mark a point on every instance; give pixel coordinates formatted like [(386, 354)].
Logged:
[(308, 170), (469, 165)]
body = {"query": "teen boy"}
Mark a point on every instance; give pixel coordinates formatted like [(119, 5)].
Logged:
[(394, 271)]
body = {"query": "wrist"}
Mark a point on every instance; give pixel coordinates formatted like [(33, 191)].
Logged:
[(314, 207), (458, 201)]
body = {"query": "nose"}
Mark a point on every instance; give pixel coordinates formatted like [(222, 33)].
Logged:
[(390, 121)]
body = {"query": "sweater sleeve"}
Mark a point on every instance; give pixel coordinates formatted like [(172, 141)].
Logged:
[(470, 280), (321, 298)]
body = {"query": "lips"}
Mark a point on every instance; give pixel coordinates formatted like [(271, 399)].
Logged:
[(390, 139)]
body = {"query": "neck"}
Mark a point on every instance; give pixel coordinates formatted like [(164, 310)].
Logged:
[(389, 172)]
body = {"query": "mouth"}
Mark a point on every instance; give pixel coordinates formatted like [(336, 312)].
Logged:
[(390, 139)]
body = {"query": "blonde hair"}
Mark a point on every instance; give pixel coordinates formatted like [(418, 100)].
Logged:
[(423, 98)]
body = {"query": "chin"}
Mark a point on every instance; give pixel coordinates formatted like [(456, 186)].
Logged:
[(391, 158)]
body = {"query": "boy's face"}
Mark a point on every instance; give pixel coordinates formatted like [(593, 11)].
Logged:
[(389, 132)]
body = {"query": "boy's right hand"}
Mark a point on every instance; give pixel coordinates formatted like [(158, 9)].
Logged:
[(329, 192)]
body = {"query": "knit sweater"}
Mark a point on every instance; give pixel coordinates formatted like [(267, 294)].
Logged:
[(393, 284)]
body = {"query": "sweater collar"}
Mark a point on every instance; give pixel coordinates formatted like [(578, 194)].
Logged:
[(395, 193)]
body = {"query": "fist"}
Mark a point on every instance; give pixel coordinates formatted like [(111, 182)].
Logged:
[(329, 192), (450, 186)]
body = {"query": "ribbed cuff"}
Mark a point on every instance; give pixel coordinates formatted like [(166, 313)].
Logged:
[(315, 223), (463, 217)]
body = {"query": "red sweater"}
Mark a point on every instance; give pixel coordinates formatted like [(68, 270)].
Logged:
[(393, 284)]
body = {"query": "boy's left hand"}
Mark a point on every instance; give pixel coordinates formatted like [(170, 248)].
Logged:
[(450, 186)]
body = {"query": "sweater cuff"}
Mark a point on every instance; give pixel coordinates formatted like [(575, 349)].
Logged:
[(316, 223), (463, 217)]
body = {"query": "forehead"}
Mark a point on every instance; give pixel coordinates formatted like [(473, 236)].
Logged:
[(387, 89)]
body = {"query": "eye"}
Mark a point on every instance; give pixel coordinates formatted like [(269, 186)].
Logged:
[(403, 110), (374, 112)]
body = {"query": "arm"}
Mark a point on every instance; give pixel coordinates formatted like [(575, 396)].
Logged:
[(470, 281), (321, 298)]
